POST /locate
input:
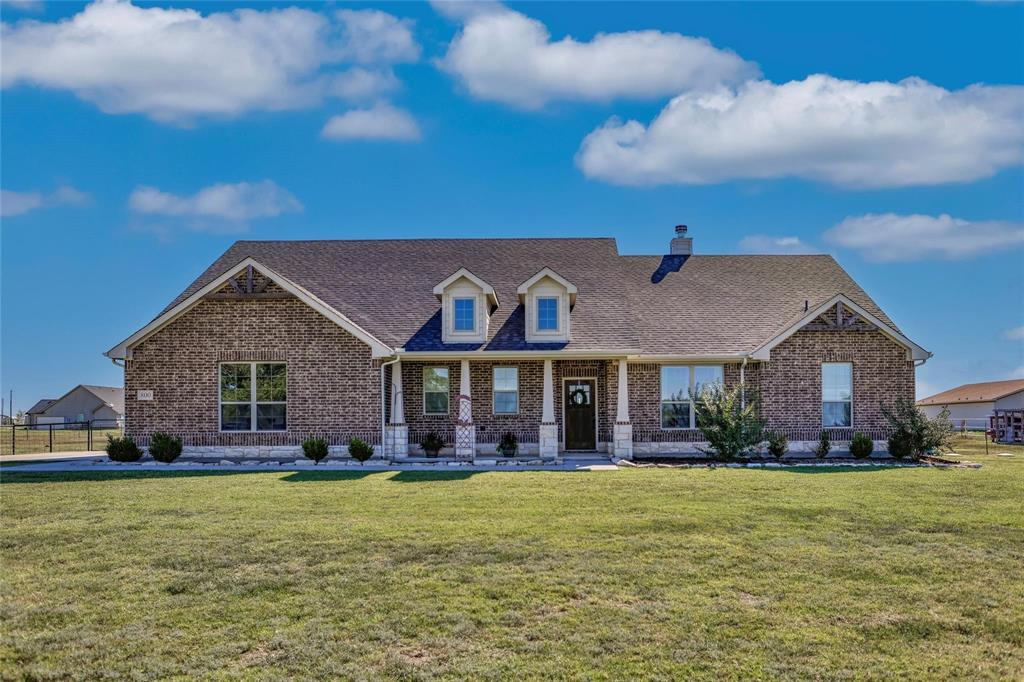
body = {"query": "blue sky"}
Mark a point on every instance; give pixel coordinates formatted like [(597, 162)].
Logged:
[(132, 160)]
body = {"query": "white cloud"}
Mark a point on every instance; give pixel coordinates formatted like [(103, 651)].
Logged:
[(176, 65), (1015, 334), (847, 133), (17, 203), (890, 237), (508, 57), (382, 122), (360, 84), (223, 207), (763, 243)]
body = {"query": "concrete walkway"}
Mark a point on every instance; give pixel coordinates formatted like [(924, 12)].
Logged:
[(52, 456)]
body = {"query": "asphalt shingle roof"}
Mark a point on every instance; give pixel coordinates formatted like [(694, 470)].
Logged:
[(652, 304), (975, 393)]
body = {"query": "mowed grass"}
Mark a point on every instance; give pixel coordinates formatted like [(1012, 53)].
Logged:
[(667, 573)]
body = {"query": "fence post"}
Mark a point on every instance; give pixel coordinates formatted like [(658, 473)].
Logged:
[(51, 437), (14, 440), (88, 440)]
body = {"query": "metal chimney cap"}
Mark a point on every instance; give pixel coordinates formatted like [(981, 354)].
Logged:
[(680, 229)]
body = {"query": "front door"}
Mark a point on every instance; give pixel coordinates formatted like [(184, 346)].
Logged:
[(580, 414)]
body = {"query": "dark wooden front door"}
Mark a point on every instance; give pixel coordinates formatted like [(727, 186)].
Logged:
[(580, 410)]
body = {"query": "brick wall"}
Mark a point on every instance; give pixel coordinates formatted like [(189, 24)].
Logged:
[(333, 384)]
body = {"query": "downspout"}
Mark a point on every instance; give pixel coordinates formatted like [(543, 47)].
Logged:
[(743, 384), (383, 407)]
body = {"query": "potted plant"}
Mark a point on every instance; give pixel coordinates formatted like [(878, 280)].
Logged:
[(508, 445), (432, 444)]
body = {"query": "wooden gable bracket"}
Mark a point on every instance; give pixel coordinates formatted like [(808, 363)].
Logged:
[(250, 292), (842, 321)]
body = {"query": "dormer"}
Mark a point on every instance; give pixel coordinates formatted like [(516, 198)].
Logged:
[(548, 298), (466, 306)]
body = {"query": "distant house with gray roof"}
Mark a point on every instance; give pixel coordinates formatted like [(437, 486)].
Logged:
[(103, 405)]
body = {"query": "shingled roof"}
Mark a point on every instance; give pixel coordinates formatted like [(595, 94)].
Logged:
[(681, 305), (975, 393)]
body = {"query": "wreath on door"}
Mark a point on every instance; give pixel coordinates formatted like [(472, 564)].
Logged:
[(578, 397)]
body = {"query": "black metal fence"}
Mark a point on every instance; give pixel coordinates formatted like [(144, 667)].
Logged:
[(25, 439)]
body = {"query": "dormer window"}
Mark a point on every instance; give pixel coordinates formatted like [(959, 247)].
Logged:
[(548, 299), (466, 306)]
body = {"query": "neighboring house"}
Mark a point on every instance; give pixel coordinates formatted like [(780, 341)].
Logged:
[(971, 405), (34, 412), (103, 405), (563, 342)]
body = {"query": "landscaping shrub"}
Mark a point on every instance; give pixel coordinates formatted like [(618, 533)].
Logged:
[(730, 428), (164, 448), (778, 444), (824, 445), (360, 450), (432, 443), (508, 445), (913, 433), (315, 449), (861, 446), (123, 449)]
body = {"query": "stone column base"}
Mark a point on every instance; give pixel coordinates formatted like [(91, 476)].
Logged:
[(622, 440), (465, 441), (397, 443), (549, 440)]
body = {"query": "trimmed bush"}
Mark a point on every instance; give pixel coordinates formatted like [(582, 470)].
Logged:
[(778, 444), (164, 448), (314, 449), (432, 443), (123, 449), (360, 450), (508, 445), (913, 433), (900, 445), (728, 423), (824, 445), (861, 446)]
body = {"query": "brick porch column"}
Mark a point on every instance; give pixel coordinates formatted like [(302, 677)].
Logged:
[(548, 428), (465, 432), (622, 439), (398, 431)]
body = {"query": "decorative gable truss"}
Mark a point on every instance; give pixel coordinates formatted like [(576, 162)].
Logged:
[(840, 318), (249, 284)]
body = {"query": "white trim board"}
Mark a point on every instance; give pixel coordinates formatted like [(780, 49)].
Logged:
[(378, 348)]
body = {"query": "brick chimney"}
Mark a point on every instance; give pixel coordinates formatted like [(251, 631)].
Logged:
[(681, 245)]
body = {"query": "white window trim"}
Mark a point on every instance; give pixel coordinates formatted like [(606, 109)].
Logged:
[(252, 398), (557, 331), (823, 401), (689, 390), (494, 392), (448, 393), (469, 332)]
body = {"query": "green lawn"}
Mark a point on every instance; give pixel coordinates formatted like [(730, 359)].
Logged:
[(668, 573)]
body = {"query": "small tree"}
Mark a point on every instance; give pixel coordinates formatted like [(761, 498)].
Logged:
[(778, 444), (913, 433), (727, 420), (164, 448), (824, 445), (314, 449), (861, 446), (360, 450), (123, 449)]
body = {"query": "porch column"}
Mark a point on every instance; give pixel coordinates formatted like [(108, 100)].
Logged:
[(398, 432), (622, 438), (548, 428), (465, 432)]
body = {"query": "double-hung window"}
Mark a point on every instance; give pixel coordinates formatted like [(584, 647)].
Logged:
[(677, 381), (253, 396), (464, 314), (435, 390), (547, 314), (506, 390), (837, 394)]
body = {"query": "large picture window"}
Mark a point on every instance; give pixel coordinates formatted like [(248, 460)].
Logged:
[(676, 383), (506, 390), (837, 394), (253, 396), (435, 390)]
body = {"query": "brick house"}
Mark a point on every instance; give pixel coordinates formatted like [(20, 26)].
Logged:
[(565, 343)]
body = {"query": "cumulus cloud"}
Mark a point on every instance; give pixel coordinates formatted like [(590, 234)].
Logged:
[(1015, 334), (176, 65), (223, 207), (17, 203), (847, 133), (888, 237), (508, 57), (763, 243), (382, 122)]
